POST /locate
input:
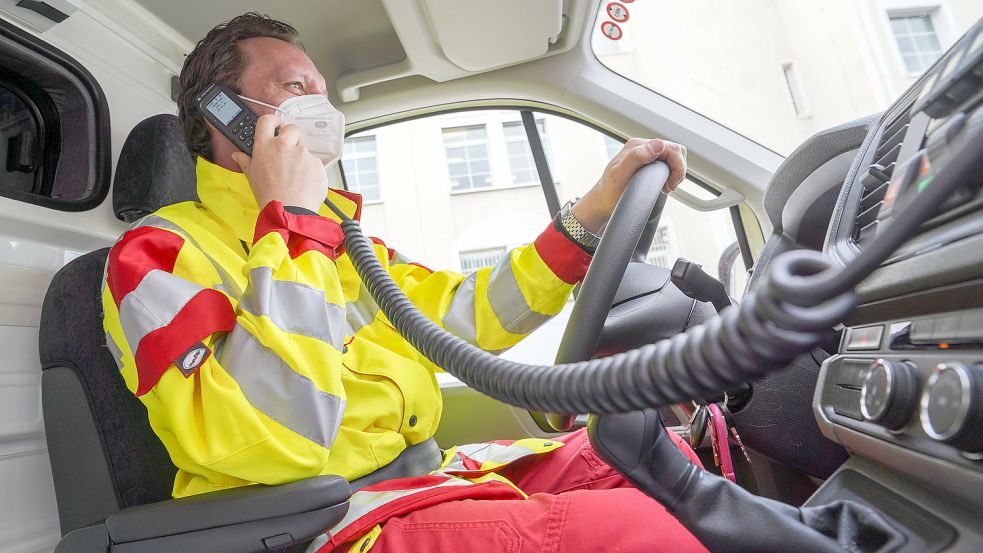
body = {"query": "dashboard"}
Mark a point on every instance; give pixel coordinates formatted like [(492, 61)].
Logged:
[(904, 393)]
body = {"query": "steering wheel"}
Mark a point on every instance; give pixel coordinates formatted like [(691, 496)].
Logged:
[(639, 208)]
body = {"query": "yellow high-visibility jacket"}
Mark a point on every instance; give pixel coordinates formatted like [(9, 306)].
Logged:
[(260, 356)]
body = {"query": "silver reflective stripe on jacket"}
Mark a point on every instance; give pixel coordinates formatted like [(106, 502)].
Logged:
[(294, 307), (399, 259), (115, 351), (363, 502), (153, 304), (495, 453), (507, 302), (362, 311), (280, 392), (460, 319)]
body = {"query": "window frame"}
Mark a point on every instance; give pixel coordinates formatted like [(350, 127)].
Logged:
[(498, 158), (544, 139), (493, 171), (69, 77), (795, 92), (929, 11)]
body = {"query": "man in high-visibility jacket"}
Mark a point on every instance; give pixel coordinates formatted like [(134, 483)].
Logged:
[(240, 323)]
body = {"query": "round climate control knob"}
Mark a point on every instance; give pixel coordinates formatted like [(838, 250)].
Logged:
[(952, 406), (889, 396)]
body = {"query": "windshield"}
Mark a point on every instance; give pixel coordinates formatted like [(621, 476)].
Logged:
[(779, 71)]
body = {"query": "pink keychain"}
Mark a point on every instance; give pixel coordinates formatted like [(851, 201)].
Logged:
[(718, 428)]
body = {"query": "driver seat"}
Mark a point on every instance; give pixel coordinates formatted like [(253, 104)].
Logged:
[(112, 476)]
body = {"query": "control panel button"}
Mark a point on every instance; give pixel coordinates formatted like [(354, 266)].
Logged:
[(846, 402), (889, 396), (952, 406), (864, 338), (963, 328)]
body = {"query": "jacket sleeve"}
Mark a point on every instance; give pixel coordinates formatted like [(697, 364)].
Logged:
[(495, 307), (234, 376)]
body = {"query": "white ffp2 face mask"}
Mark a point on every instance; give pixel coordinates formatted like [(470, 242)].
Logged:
[(322, 127)]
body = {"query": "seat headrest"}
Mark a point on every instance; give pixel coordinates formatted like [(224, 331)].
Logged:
[(155, 169)]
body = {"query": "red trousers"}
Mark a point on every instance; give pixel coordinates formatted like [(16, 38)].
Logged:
[(577, 503)]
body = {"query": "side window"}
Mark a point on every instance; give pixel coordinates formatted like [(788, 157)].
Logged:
[(453, 191), (54, 126), (457, 191)]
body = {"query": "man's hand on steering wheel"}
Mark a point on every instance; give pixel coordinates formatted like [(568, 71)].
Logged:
[(596, 207)]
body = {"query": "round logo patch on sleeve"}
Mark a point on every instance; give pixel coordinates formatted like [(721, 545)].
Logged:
[(192, 359)]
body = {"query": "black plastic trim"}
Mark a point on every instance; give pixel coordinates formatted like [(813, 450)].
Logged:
[(542, 164), (43, 9), (101, 160)]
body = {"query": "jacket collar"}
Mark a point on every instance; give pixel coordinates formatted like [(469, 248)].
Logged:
[(227, 195)]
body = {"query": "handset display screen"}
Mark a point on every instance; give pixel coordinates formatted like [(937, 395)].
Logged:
[(223, 107)]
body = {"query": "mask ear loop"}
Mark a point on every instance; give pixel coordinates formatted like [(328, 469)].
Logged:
[(248, 99)]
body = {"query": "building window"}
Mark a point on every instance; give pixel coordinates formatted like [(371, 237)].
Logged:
[(467, 157), (917, 40), (473, 260), (663, 249), (795, 92), (521, 162), (612, 146), (361, 167)]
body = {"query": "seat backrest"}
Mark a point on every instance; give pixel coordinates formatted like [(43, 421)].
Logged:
[(104, 455)]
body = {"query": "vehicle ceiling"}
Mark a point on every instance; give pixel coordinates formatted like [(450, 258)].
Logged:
[(386, 58), (346, 39)]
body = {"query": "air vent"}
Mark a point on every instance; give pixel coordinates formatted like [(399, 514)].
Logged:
[(877, 177)]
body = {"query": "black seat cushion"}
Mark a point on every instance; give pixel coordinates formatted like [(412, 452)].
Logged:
[(155, 169), (72, 339)]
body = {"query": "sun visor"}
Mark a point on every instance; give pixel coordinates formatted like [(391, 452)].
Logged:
[(478, 35), (449, 39)]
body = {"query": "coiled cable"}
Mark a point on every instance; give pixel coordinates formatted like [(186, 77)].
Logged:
[(803, 294)]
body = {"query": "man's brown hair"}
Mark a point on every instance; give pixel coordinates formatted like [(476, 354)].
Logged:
[(218, 59)]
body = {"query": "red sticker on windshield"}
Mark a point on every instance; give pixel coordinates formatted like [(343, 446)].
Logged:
[(617, 12), (611, 30)]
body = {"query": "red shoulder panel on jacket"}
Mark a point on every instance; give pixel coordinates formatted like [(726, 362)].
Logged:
[(140, 251)]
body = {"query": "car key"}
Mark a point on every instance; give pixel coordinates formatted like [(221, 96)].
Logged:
[(697, 425), (732, 427)]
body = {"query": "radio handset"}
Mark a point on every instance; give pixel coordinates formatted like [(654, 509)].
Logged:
[(229, 115)]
